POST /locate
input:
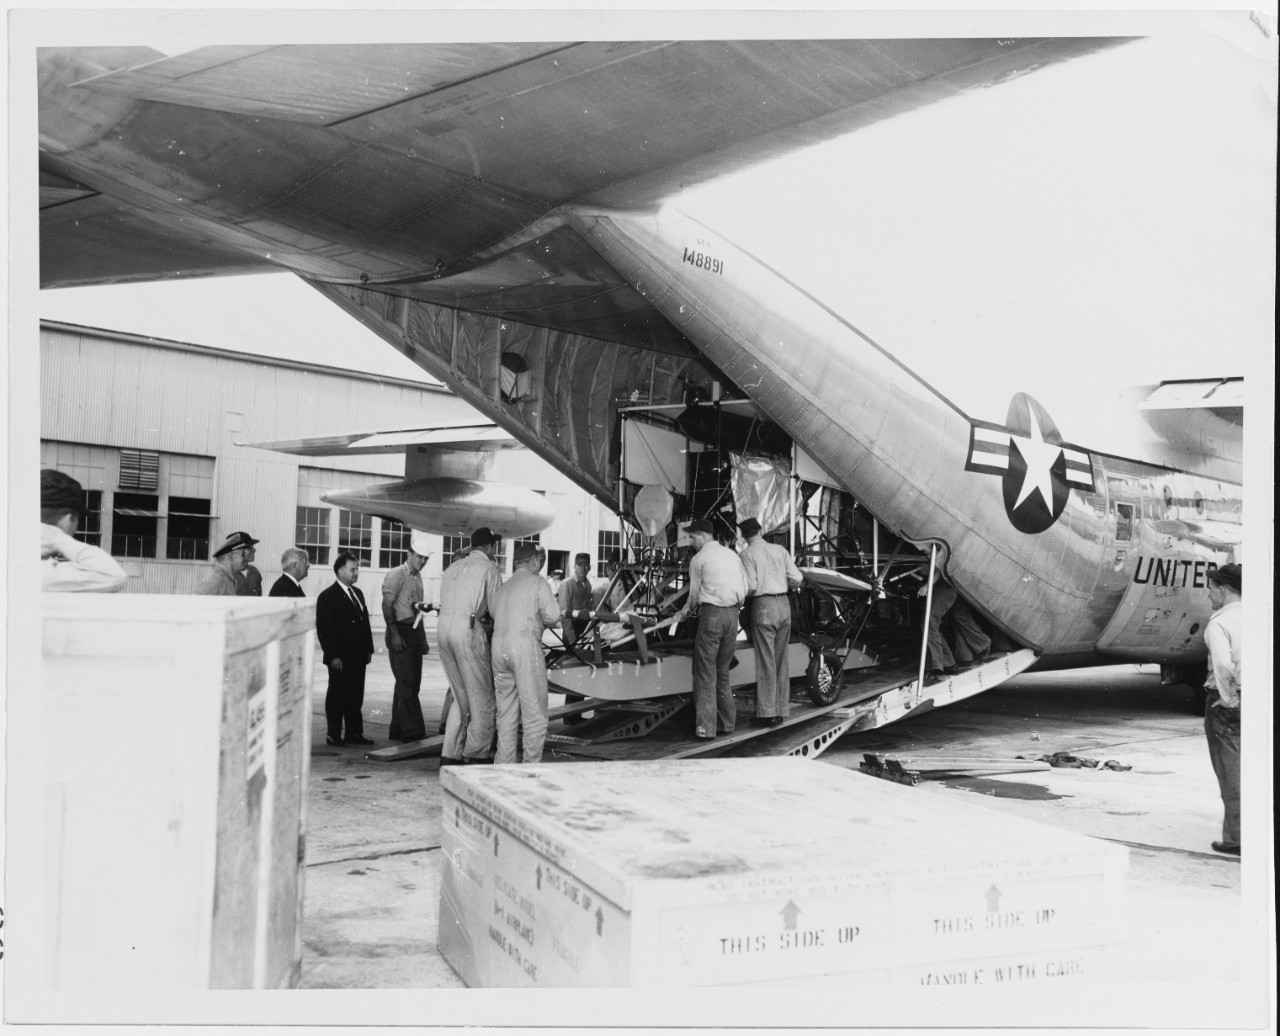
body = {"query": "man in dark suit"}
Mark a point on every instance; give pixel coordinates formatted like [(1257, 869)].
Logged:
[(295, 564), (342, 624)]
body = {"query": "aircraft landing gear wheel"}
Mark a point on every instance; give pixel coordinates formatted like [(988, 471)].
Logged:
[(823, 677)]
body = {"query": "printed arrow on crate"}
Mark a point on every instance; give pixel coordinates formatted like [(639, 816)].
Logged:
[(495, 843), (539, 875), (789, 914), (457, 816), (993, 899), (599, 920)]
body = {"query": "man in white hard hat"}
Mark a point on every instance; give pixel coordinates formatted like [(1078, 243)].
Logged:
[(402, 608)]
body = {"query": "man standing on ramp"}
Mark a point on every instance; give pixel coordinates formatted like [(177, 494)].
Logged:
[(406, 639), (466, 595), (771, 575), (522, 608)]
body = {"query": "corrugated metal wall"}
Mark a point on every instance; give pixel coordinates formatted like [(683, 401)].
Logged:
[(127, 392)]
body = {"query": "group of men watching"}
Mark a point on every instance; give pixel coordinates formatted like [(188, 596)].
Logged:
[(490, 634)]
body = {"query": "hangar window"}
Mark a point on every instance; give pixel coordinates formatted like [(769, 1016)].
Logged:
[(355, 533), (608, 552), (188, 536), (313, 533), (90, 530), (557, 561), (394, 544), (135, 518), (452, 549)]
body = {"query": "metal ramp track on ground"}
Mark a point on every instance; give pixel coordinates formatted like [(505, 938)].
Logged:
[(909, 769), (807, 740), (871, 698), (676, 740), (619, 721)]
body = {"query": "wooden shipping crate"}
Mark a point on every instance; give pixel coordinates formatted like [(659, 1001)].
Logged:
[(756, 870), (176, 752)]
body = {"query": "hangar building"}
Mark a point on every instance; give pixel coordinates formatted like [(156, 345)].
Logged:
[(149, 427)]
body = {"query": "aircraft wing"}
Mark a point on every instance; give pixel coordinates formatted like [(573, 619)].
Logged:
[(1202, 417), (434, 172), (479, 437)]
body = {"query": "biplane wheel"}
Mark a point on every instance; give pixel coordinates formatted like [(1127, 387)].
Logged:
[(823, 677)]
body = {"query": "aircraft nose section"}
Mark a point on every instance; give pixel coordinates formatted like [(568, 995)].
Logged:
[(345, 498)]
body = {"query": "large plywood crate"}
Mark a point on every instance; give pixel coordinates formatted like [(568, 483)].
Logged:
[(757, 871), (176, 748)]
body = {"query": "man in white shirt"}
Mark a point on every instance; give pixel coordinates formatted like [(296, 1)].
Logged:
[(66, 564), (1222, 708), (402, 607), (717, 588)]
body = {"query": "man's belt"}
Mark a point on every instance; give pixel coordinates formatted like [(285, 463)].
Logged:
[(757, 596)]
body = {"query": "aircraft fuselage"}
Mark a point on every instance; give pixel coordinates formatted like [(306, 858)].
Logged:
[(1084, 556)]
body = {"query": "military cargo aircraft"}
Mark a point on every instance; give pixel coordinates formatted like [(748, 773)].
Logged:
[(510, 217)]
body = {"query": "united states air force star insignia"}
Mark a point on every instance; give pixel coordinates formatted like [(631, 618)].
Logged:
[(1036, 468)]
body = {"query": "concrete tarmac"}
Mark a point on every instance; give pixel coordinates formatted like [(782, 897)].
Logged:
[(373, 829)]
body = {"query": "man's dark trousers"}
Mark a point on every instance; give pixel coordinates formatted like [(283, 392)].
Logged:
[(407, 723), (344, 699), (1222, 730), (713, 647)]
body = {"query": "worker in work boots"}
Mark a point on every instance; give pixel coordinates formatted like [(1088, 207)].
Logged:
[(522, 608), (771, 575), (466, 598)]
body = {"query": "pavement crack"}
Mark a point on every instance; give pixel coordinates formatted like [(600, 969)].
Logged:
[(376, 856)]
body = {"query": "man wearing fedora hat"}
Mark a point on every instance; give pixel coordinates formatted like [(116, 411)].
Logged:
[(228, 560), (467, 589), (66, 564), (717, 588), (771, 576)]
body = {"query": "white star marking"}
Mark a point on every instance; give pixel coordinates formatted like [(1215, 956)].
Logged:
[(1040, 457)]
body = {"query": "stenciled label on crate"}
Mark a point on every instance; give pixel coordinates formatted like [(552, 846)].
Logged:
[(511, 917), (1008, 970), (723, 943), (1003, 916), (767, 926)]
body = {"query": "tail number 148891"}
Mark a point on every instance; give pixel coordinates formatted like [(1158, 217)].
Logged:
[(702, 261)]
